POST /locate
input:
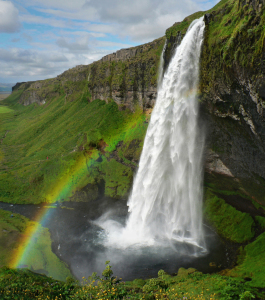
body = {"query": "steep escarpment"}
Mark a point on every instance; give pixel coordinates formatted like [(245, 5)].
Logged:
[(232, 83), (67, 143), (128, 77)]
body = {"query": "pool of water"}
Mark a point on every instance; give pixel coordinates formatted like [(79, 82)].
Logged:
[(79, 242)]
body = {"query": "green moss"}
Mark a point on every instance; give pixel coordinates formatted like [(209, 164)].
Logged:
[(136, 73), (183, 26), (118, 178), (261, 221), (229, 222), (234, 37), (253, 262)]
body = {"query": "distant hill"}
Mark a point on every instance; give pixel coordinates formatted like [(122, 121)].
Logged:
[(6, 87)]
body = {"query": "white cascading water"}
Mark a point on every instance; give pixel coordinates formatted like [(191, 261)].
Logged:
[(161, 67), (166, 198)]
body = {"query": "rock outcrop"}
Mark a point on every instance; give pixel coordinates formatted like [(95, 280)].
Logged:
[(232, 81), (129, 77), (25, 85)]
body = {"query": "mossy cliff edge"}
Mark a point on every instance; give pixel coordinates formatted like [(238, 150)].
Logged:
[(128, 77)]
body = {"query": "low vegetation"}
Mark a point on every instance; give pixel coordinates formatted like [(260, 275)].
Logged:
[(188, 284), (48, 152), (4, 109), (230, 223), (35, 254)]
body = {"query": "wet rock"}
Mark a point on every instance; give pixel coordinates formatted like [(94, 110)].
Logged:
[(208, 18)]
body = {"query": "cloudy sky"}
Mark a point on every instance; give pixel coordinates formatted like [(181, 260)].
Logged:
[(42, 38)]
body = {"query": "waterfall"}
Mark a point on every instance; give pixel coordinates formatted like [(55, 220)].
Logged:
[(161, 67), (166, 199)]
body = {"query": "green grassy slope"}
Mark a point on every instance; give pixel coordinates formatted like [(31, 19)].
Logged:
[(14, 232), (43, 147)]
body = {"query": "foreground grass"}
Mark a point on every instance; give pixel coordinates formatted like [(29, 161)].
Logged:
[(188, 284)]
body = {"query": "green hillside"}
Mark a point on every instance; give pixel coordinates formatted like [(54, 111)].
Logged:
[(55, 148)]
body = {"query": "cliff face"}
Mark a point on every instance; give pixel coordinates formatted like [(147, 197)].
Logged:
[(129, 77), (232, 90)]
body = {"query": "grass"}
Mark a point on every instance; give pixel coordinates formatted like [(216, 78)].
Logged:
[(235, 35), (188, 284), (184, 25), (4, 110), (14, 232), (234, 39), (43, 145), (48, 151), (261, 221), (24, 284), (237, 227), (229, 222), (72, 141), (252, 263)]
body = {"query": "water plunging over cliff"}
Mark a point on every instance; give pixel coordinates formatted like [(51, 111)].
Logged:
[(166, 198)]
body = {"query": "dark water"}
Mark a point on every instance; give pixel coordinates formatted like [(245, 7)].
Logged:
[(78, 242)]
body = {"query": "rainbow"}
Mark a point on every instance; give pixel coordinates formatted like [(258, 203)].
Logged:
[(20, 254), (62, 189)]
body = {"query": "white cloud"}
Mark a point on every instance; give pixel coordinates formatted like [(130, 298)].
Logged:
[(33, 19), (9, 19), (58, 4), (80, 45), (143, 20), (60, 34), (140, 20), (26, 65)]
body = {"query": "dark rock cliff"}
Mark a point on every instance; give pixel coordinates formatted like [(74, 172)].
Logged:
[(129, 76), (232, 98), (24, 84)]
